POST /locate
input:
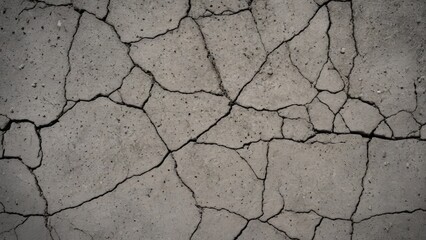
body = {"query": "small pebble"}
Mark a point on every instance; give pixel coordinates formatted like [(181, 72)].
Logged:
[(59, 23), (342, 50), (34, 85), (21, 66)]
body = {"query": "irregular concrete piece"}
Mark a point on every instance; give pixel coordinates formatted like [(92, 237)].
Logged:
[(208, 7), (91, 141), (383, 130), (18, 188), (178, 60), (392, 65), (58, 2), (33, 61), (342, 44), (309, 49), (116, 97), (236, 47), (297, 129), (339, 126), (9, 221), (99, 61), (329, 79), (255, 155), (218, 225), (321, 116), (333, 101), (296, 225), (277, 85), (306, 175), (68, 106), (155, 205), (395, 170), (420, 113), (333, 230), (21, 141), (294, 112), (392, 226), (243, 126), (360, 116), (181, 117), (97, 7), (33, 228), (136, 87), (135, 19), (4, 121), (403, 125), (281, 20), (220, 179), (259, 230)]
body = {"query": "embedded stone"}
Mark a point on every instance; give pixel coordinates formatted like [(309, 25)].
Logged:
[(329, 79)]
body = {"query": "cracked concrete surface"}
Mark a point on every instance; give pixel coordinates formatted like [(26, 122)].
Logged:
[(207, 119)]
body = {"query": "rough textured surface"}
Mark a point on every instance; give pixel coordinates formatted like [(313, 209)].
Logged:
[(392, 65), (220, 178), (152, 206), (333, 230), (33, 61), (360, 116), (296, 225), (98, 60), (212, 119), (237, 50), (330, 162), (18, 189), (220, 225), (181, 117), (259, 230), (97, 7), (395, 171), (281, 20), (21, 141), (178, 59), (145, 19), (308, 50), (243, 126), (136, 88), (209, 7), (394, 226), (278, 84), (90, 141)]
